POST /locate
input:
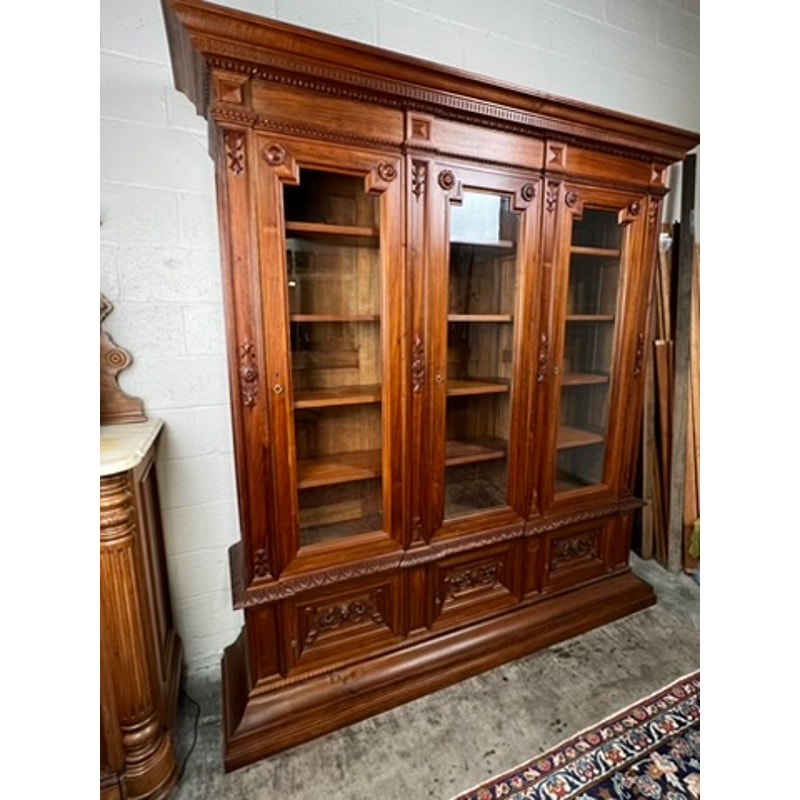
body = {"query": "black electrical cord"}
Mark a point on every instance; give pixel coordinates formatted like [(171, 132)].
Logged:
[(194, 738)]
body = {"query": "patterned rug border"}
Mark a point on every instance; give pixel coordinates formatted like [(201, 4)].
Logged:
[(688, 686)]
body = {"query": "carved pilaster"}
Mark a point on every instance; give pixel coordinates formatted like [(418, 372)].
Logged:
[(234, 151), (418, 365), (248, 373), (419, 178), (150, 766)]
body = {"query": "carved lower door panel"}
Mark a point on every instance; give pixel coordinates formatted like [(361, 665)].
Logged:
[(342, 623), (474, 585), (576, 554)]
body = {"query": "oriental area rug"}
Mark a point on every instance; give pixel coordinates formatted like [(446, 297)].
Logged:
[(649, 750)]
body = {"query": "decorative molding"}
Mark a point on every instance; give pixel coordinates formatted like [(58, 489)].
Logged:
[(447, 180), (578, 547), (418, 366), (248, 373), (274, 154), (528, 192), (419, 178), (234, 151), (321, 619), (387, 171), (475, 576), (653, 209), (551, 196), (419, 128), (571, 198), (555, 154), (261, 593), (542, 358), (260, 563), (229, 88), (116, 406), (333, 80)]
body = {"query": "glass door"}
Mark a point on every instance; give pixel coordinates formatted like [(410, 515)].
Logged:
[(591, 327), (482, 293), (482, 269), (598, 235), (334, 287)]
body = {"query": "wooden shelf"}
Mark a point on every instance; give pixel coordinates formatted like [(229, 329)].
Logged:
[(582, 379), (337, 396), (346, 234), (480, 318), (340, 468), (605, 252), (458, 388), (590, 317), (575, 437), (500, 244), (471, 452), (334, 317)]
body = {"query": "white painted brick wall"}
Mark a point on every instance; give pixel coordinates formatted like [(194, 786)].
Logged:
[(159, 261)]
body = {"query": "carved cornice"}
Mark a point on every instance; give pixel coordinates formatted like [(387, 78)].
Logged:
[(369, 89), (205, 37)]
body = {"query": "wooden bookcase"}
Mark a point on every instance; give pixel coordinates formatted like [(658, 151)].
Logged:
[(437, 298)]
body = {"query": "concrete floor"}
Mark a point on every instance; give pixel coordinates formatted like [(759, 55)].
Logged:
[(447, 742)]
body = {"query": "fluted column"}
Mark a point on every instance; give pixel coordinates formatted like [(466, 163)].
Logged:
[(150, 766)]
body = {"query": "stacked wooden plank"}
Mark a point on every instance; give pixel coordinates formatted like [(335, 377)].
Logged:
[(657, 479)]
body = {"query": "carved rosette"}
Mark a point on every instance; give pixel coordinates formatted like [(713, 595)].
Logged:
[(274, 154), (234, 151), (447, 180), (387, 172), (571, 198), (248, 373), (339, 615), (528, 192)]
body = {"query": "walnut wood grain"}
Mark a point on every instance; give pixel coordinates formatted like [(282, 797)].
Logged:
[(452, 362)]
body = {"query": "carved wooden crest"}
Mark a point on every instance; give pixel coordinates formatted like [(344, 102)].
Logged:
[(116, 406)]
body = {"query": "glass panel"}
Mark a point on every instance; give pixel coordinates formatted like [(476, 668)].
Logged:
[(594, 280), (334, 286), (480, 344)]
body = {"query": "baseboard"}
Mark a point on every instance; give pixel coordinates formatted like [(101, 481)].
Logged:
[(257, 724)]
